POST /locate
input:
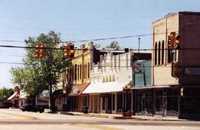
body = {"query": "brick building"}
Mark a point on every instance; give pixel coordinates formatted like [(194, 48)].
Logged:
[(176, 68)]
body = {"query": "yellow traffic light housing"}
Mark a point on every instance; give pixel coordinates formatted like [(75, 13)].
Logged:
[(174, 40), (39, 51), (69, 50)]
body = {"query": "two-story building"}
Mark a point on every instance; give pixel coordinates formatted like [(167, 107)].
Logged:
[(175, 66), (77, 77), (109, 77)]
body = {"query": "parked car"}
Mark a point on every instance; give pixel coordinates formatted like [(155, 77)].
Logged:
[(33, 108)]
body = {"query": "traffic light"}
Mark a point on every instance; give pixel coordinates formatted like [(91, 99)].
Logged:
[(171, 39), (174, 40), (66, 51), (39, 51), (69, 50), (178, 41), (72, 51)]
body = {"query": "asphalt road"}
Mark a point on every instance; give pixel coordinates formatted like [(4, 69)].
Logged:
[(11, 119)]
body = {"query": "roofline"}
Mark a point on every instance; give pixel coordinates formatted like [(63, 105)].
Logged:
[(176, 13), (123, 51), (189, 12), (164, 17)]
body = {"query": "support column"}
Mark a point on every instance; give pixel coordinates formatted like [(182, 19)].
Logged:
[(154, 102)]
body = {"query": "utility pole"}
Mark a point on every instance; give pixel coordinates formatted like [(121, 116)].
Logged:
[(49, 63), (139, 39)]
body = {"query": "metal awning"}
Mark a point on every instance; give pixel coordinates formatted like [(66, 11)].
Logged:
[(108, 87), (78, 89)]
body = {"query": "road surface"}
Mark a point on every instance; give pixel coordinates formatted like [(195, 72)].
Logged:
[(12, 119)]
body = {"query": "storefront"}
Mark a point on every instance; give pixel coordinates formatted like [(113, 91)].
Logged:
[(106, 97), (156, 100)]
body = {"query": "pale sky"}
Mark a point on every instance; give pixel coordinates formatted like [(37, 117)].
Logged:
[(78, 19)]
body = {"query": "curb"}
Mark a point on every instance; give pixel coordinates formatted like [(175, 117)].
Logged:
[(120, 117), (86, 115)]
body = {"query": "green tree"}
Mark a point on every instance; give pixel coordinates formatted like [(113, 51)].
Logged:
[(40, 74), (114, 45), (5, 93)]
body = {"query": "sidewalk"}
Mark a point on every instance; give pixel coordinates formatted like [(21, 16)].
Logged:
[(119, 116)]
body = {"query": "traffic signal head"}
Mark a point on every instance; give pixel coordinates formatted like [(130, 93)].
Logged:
[(39, 51), (174, 40), (69, 51), (42, 51), (171, 39), (66, 51)]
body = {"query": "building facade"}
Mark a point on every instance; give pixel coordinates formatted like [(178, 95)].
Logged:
[(175, 71), (78, 78), (109, 77)]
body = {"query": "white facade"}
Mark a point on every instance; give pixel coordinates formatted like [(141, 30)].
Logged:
[(113, 71)]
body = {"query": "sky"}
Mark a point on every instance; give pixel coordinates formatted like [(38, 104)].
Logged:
[(77, 20)]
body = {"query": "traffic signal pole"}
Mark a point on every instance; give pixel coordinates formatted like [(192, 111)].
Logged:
[(49, 63)]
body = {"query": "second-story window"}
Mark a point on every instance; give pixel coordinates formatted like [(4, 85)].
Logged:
[(88, 70), (159, 52), (155, 54), (163, 50), (75, 72)]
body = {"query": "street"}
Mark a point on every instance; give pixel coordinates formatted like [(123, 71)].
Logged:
[(13, 119)]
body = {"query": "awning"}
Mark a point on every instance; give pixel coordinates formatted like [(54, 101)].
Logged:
[(14, 95), (78, 89), (105, 87)]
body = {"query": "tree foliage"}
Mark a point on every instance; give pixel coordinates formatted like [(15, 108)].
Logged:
[(38, 74), (114, 45), (5, 93)]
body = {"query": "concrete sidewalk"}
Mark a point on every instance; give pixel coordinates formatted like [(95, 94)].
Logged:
[(119, 116)]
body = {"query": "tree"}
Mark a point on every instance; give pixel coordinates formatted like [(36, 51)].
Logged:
[(5, 93), (40, 74), (114, 45)]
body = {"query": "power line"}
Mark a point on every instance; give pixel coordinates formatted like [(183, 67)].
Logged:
[(12, 63), (15, 41), (105, 38), (96, 39), (131, 49)]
